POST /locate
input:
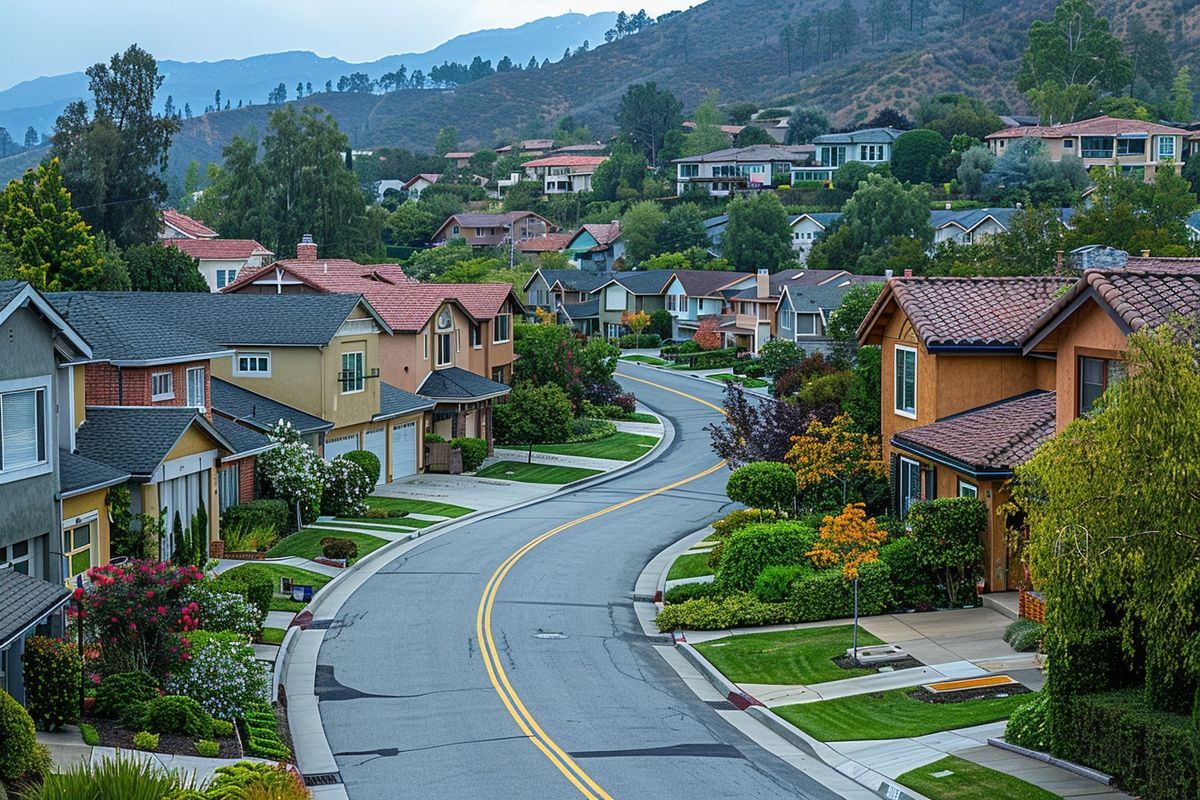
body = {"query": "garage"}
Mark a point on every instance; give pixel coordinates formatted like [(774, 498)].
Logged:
[(404, 450), (375, 441), (340, 445)]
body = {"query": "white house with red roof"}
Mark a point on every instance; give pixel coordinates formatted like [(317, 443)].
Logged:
[(176, 225), (564, 174), (419, 183), (220, 261)]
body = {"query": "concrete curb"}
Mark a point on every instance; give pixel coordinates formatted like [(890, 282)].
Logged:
[(1046, 758), (651, 582), (733, 694)]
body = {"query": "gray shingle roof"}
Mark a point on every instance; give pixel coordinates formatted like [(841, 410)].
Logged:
[(257, 411), (9, 290), (455, 383), (24, 601), (134, 439), (651, 281), (582, 310), (244, 440), (394, 401), (757, 152), (576, 280), (864, 136), (78, 473)]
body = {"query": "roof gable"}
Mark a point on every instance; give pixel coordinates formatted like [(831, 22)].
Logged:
[(19, 294)]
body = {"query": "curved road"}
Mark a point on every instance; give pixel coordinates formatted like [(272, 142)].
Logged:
[(565, 698)]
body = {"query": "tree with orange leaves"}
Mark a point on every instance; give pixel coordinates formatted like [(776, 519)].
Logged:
[(545, 316), (636, 321), (849, 540), (833, 451), (707, 336)]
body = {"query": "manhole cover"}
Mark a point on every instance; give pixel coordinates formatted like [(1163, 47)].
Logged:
[(549, 635)]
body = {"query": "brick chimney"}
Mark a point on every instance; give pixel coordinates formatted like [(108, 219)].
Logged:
[(1145, 254), (762, 284), (908, 273), (1058, 262), (307, 249)]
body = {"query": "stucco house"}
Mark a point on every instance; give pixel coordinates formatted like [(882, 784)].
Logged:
[(739, 168), (563, 174), (872, 146), (220, 261), (492, 230)]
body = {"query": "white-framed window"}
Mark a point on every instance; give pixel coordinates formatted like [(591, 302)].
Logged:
[(162, 386), (1166, 147), (906, 381), (454, 231), (24, 445), (252, 365), (689, 170), (910, 485), (501, 328), (476, 336), (17, 555), (806, 324), (226, 277), (229, 486), (352, 372), (967, 489), (195, 387), (79, 555), (1068, 144), (870, 152), (444, 352)]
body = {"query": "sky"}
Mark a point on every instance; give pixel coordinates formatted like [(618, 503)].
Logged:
[(69, 35)]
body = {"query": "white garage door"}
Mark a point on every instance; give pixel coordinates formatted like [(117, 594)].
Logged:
[(404, 450), (340, 445), (376, 442)]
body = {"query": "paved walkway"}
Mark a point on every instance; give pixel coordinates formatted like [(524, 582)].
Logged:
[(556, 460)]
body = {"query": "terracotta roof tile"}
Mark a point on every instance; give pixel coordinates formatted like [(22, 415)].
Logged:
[(187, 225), (566, 161), (999, 436), (551, 242), (1097, 126), (230, 249), (604, 233)]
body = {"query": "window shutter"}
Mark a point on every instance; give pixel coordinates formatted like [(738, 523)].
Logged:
[(931, 483), (894, 484)]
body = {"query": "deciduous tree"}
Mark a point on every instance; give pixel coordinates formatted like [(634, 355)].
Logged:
[(158, 268), (757, 235), (833, 452), (637, 322), (707, 336), (805, 124)]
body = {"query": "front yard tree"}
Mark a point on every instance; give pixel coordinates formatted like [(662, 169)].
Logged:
[(637, 322), (640, 230), (155, 268), (763, 485), (949, 535), (535, 415), (833, 452), (646, 114), (805, 124), (758, 235), (917, 156), (752, 431), (849, 541), (707, 336)]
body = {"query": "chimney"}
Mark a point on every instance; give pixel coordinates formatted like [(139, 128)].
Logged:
[(887, 273), (762, 284), (1145, 254), (908, 273), (307, 249), (1058, 262)]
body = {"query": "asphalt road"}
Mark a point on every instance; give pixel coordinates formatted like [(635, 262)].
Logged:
[(407, 698)]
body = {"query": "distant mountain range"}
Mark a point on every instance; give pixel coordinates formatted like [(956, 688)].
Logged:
[(38, 102)]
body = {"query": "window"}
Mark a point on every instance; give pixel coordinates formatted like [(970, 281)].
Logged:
[(689, 170), (23, 430), (162, 386), (195, 387), (906, 381), (910, 485), (1095, 376), (253, 365), (17, 556), (1068, 144), (77, 549), (475, 338), (870, 152), (498, 374), (967, 489), (445, 351), (352, 372), (806, 324), (454, 231), (833, 156), (1096, 147), (1166, 147), (425, 346), (500, 328), (1131, 147), (228, 486), (226, 277)]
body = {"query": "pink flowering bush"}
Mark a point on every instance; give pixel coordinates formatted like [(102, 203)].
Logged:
[(136, 614)]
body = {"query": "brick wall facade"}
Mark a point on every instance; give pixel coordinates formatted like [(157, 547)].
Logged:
[(246, 478), (106, 385)]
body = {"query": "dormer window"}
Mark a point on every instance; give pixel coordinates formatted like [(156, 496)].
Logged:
[(162, 386)]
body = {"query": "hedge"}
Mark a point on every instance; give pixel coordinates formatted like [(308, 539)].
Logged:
[(707, 614), (52, 674), (1091, 661), (256, 584), (747, 552), (368, 461), (774, 583), (274, 514), (473, 450), (631, 340), (913, 582), (688, 591), (828, 595)]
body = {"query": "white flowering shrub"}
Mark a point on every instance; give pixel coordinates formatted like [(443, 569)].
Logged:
[(221, 674), (293, 471), (215, 610), (346, 488)]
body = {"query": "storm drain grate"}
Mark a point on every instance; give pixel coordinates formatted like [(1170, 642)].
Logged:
[(322, 779), (721, 705)]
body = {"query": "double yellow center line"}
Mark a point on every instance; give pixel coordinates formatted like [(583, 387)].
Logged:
[(491, 655)]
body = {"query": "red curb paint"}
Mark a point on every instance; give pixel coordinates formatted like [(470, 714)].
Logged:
[(743, 700)]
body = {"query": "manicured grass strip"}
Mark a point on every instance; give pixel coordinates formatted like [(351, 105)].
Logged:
[(302, 576), (430, 507), (691, 565), (399, 523), (970, 782), (749, 383), (658, 362), (534, 473), (620, 446), (788, 657), (893, 715), (273, 635), (307, 543), (638, 416)]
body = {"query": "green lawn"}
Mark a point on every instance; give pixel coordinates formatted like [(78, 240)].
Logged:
[(399, 523), (303, 576), (690, 565), (749, 383), (534, 473), (307, 543), (418, 506), (620, 446), (893, 715), (969, 782), (639, 416), (641, 359), (273, 635), (802, 656)]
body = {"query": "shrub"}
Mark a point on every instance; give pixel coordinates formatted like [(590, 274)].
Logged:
[(123, 690), (333, 547), (736, 520), (217, 610), (1025, 635), (292, 471), (172, 714), (245, 537), (374, 512), (826, 594), (533, 415), (247, 779), (689, 591), (590, 430), (1029, 725), (777, 355), (646, 340), (262, 732), (253, 582), (222, 676), (473, 450), (913, 585), (754, 548), (19, 736), (949, 533), (368, 461), (52, 673), (713, 614), (763, 484), (208, 748), (273, 514), (90, 736), (222, 727), (345, 486), (774, 583), (433, 438), (144, 740)]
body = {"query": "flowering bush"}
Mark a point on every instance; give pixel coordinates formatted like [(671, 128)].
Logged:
[(346, 486), (222, 675), (135, 611), (293, 471), (51, 681), (208, 608)]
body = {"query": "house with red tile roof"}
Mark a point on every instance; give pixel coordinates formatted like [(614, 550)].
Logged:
[(459, 159), (178, 225), (1133, 146), (220, 261), (419, 183), (492, 230), (564, 174)]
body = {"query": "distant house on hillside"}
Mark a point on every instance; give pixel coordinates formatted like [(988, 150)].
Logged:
[(459, 159), (419, 183), (597, 247), (176, 225), (218, 260), (528, 147), (727, 171), (492, 230), (871, 146), (565, 174)]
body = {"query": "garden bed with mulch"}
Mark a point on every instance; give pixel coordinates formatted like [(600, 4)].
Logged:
[(962, 695), (908, 662), (113, 734)]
